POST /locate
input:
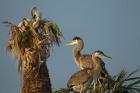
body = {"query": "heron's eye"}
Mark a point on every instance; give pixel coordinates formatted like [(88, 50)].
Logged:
[(75, 41), (97, 54)]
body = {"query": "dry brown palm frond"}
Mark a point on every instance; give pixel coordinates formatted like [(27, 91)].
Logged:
[(13, 45)]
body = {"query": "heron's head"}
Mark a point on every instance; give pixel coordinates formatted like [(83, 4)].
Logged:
[(35, 13), (76, 40), (101, 55)]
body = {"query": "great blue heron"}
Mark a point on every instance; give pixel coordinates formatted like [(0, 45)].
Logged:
[(36, 16), (82, 61), (81, 80)]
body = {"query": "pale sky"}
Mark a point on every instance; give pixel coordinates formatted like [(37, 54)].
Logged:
[(112, 26)]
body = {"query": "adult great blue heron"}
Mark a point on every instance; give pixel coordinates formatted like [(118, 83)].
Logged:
[(81, 80), (83, 61)]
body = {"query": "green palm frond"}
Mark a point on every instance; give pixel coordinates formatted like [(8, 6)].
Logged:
[(121, 75), (132, 73), (131, 85), (56, 32), (134, 90), (131, 79), (51, 30), (123, 82), (134, 82)]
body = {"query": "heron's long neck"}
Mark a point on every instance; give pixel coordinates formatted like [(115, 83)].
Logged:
[(97, 67), (76, 51)]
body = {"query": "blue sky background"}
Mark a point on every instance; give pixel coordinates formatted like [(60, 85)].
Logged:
[(112, 26)]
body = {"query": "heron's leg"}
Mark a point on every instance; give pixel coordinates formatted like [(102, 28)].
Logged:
[(94, 86), (81, 91), (100, 84), (88, 91), (93, 81)]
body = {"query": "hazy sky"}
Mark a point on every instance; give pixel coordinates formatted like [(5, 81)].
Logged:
[(112, 26)]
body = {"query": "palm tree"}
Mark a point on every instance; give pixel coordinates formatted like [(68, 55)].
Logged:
[(31, 47), (122, 83)]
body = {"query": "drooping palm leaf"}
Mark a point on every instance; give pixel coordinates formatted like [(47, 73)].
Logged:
[(134, 90), (121, 75), (131, 79), (132, 73), (13, 45), (52, 30), (131, 85)]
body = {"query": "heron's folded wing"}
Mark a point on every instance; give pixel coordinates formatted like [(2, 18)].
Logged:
[(79, 77), (86, 61)]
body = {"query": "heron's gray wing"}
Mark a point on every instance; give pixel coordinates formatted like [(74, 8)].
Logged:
[(79, 78)]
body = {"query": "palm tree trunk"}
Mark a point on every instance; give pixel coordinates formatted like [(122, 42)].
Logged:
[(37, 81), (35, 75)]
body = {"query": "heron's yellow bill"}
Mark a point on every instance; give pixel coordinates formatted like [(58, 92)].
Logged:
[(70, 43), (107, 57)]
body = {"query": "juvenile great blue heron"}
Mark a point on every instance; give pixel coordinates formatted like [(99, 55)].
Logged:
[(82, 61), (36, 16), (81, 80)]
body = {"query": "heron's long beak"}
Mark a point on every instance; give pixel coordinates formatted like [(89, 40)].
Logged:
[(107, 57), (70, 43)]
